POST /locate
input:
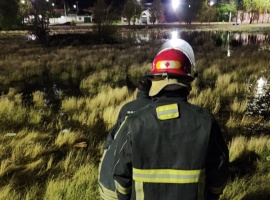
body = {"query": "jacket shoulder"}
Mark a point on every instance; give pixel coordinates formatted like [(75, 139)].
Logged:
[(201, 111), (140, 112)]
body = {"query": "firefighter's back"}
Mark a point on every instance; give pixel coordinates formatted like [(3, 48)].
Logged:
[(169, 147)]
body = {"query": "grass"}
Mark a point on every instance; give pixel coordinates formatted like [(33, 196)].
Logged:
[(57, 105), (250, 181)]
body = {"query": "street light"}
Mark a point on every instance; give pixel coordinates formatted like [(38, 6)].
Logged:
[(175, 4)]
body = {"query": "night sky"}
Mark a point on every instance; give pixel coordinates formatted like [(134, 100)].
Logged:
[(89, 3), (120, 3)]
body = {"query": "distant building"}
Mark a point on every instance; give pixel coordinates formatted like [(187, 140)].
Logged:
[(146, 17), (71, 18)]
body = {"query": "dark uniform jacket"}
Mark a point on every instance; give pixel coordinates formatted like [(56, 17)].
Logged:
[(106, 182), (170, 150), (142, 99)]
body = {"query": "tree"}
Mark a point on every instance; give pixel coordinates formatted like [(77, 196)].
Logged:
[(100, 12), (25, 7), (207, 12), (226, 11), (248, 6), (260, 8), (138, 12), (189, 10), (9, 10), (129, 10), (255, 8), (104, 15), (267, 8), (156, 11), (42, 10)]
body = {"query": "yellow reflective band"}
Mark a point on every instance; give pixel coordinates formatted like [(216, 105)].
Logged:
[(168, 64), (120, 127), (168, 175), (122, 189), (216, 190), (167, 112), (107, 194), (139, 190)]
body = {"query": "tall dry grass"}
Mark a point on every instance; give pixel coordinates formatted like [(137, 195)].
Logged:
[(47, 153), (249, 159)]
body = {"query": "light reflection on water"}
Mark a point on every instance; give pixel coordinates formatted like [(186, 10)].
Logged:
[(261, 87), (259, 104), (242, 38), (228, 43)]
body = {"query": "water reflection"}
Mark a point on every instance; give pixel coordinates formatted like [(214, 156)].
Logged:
[(220, 38), (259, 104), (261, 87), (228, 43), (246, 38)]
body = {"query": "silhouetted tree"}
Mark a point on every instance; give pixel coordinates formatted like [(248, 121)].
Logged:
[(156, 11), (129, 10), (9, 10)]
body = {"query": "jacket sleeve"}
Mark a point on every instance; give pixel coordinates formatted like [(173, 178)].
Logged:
[(217, 163), (122, 171), (109, 139)]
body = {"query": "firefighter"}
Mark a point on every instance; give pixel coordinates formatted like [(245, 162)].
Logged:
[(105, 179), (171, 149)]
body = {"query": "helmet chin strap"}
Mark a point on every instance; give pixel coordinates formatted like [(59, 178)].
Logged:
[(165, 75)]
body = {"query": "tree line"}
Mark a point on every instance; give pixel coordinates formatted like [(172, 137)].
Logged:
[(15, 13)]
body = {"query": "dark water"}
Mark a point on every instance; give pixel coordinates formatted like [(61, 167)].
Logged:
[(198, 38)]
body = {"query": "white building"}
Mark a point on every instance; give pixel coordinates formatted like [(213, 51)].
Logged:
[(145, 19), (77, 19)]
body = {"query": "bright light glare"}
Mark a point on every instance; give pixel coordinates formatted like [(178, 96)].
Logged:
[(175, 4), (261, 84), (229, 52), (174, 35), (211, 3)]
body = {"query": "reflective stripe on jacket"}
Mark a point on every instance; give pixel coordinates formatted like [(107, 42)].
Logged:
[(164, 151)]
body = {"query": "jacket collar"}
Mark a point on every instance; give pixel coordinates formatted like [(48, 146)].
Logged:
[(180, 94), (142, 94)]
